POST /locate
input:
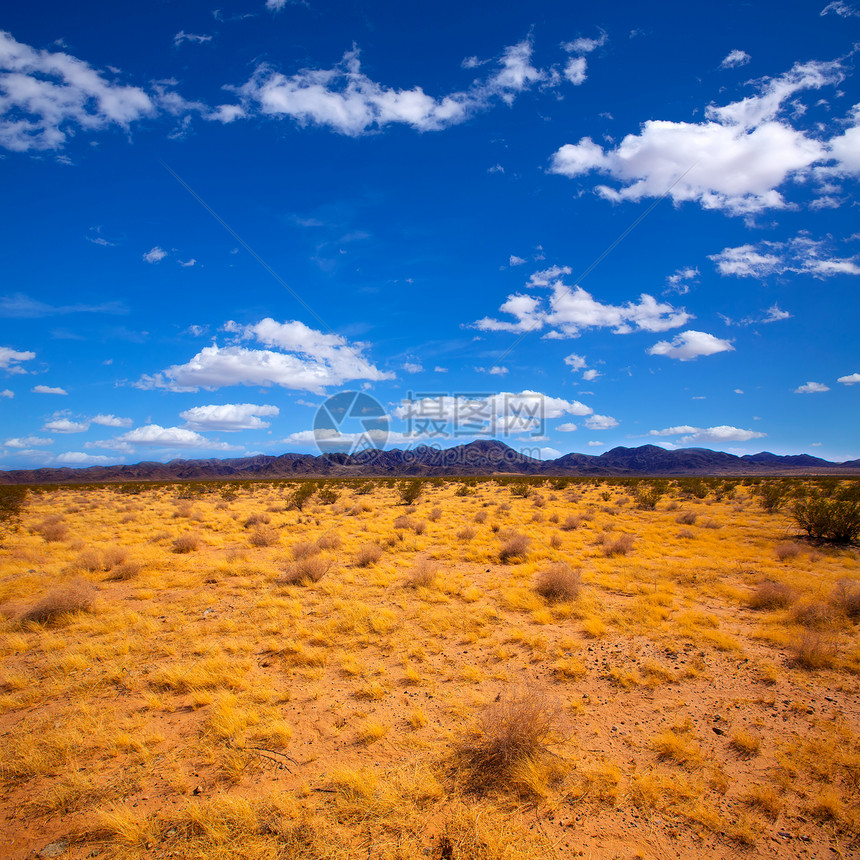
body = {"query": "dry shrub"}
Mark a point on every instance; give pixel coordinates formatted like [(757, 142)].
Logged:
[(686, 518), (77, 595), (814, 650), (466, 533), (435, 515), (89, 560), (125, 571), (516, 546), (846, 597), (480, 517), (403, 522), (368, 554), (813, 614), (263, 536), (186, 543), (771, 595), (422, 575), (52, 529), (419, 527), (710, 524), (538, 500), (328, 541), (305, 570), (555, 541), (572, 523), (686, 534), (558, 583), (257, 520), (513, 730), (553, 518), (305, 549), (787, 550), (113, 556), (620, 545)]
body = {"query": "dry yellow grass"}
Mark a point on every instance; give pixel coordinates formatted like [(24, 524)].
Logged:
[(201, 702)]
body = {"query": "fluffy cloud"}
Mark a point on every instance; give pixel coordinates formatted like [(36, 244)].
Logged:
[(47, 389), (230, 417), (575, 362), (170, 437), (7, 393), (851, 379), (412, 367), (346, 100), (735, 58), (689, 345), (800, 255), (490, 415), (600, 422), (64, 425), (45, 97), (722, 433), (155, 255), (841, 9), (27, 442), (566, 428), (10, 359), (111, 421), (567, 311), (735, 160), (812, 388), (78, 458), (309, 360)]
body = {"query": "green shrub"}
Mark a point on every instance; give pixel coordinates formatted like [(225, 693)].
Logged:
[(836, 520), (410, 490)]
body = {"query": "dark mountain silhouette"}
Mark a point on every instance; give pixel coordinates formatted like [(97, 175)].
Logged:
[(484, 457)]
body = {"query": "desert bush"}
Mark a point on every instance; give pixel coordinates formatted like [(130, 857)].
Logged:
[(463, 490), (466, 533), (646, 500), (686, 534), (513, 730), (836, 520), (257, 520), (435, 515), (772, 496), (123, 572), (620, 545), (710, 524), (686, 518), (52, 529), (814, 650), (813, 614), (571, 523), (409, 491), (328, 496), (306, 570), (422, 575), (305, 549), (264, 536), (787, 550), (186, 543), (846, 597), (480, 517), (368, 554), (522, 491), (328, 541), (515, 546), (89, 560), (12, 501), (538, 500), (555, 541), (75, 596), (301, 495), (558, 583), (771, 595)]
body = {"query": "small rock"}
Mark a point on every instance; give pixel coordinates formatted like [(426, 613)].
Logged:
[(718, 731), (784, 834), (55, 849)]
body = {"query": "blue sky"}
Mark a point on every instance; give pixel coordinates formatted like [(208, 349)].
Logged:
[(568, 228)]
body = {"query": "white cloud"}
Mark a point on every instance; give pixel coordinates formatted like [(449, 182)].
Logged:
[(21, 306), (515, 261), (841, 9), (799, 255), (679, 281), (739, 391), (735, 160), (412, 367), (155, 255), (27, 442), (812, 388), (575, 362), (689, 345), (566, 428), (584, 45), (600, 422), (111, 421), (187, 264), (735, 58), (45, 97), (64, 425), (547, 453), (310, 361), (851, 379), (722, 433), (574, 71), (570, 310), (182, 36), (7, 393), (493, 414), (10, 359), (438, 369), (230, 417), (170, 437), (595, 444), (47, 389), (346, 100), (78, 458), (591, 374)]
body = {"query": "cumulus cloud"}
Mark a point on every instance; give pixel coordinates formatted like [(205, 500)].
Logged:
[(10, 359), (489, 415), (515, 260), (306, 360), (812, 388), (851, 379), (155, 255), (47, 389), (7, 393), (722, 433), (735, 58), (79, 458), (689, 345), (567, 427), (799, 255), (170, 437), (347, 101), (64, 425), (591, 374), (735, 160), (28, 442), (679, 282), (230, 417), (111, 421), (412, 367), (574, 71), (600, 422), (567, 311)]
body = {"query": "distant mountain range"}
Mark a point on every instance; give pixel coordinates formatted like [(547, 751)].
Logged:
[(477, 458)]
